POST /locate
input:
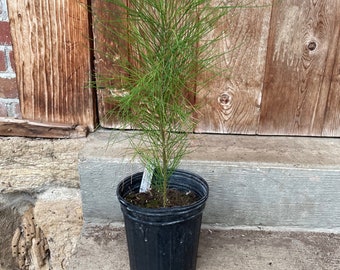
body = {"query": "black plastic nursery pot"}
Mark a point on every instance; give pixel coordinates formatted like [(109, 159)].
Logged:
[(164, 238)]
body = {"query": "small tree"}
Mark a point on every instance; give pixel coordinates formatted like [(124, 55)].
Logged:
[(168, 52)]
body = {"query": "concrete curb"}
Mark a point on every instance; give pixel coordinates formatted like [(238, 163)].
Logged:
[(291, 183)]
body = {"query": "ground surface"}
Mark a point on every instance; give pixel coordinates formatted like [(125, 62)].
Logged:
[(104, 248)]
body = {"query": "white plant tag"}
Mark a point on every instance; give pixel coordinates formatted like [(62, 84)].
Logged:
[(145, 185)]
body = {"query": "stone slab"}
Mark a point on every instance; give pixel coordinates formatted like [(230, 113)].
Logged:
[(34, 165)]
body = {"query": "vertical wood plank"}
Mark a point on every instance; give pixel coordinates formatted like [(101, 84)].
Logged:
[(303, 45), (52, 55), (331, 126), (231, 104), (105, 49)]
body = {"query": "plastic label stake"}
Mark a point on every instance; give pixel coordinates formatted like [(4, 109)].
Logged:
[(145, 185)]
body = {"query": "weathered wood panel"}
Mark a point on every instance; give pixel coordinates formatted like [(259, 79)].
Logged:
[(232, 104), (281, 75), (301, 80), (15, 127), (331, 125), (106, 49), (52, 55)]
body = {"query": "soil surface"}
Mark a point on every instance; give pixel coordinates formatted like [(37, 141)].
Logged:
[(154, 199)]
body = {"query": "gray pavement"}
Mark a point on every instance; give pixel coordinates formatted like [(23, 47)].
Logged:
[(101, 248)]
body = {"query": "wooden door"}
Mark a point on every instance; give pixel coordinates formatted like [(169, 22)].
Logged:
[(51, 43), (282, 67), (247, 32), (282, 71)]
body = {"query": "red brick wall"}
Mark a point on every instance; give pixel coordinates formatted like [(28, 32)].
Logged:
[(9, 102)]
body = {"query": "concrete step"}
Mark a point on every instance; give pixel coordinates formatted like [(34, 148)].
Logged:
[(104, 248), (288, 183)]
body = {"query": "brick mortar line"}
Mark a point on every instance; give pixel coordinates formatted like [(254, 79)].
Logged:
[(9, 100), (4, 14), (6, 47), (9, 73), (10, 107)]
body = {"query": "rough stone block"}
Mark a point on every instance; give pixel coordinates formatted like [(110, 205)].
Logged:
[(33, 165), (59, 214), (53, 217)]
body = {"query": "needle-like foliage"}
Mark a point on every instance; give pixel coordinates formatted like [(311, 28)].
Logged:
[(165, 50)]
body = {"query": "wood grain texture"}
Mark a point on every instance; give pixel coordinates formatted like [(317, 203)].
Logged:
[(331, 126), (106, 49), (24, 128), (231, 103), (52, 56), (300, 79)]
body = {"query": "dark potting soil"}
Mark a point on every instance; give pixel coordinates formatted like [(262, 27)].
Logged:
[(154, 199)]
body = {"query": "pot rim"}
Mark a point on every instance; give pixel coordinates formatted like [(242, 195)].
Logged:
[(161, 211)]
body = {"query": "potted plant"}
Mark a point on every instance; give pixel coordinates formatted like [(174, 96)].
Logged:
[(165, 53)]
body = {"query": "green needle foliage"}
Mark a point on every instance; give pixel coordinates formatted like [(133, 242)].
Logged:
[(165, 52)]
